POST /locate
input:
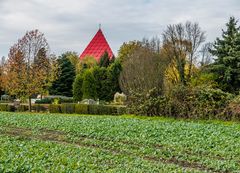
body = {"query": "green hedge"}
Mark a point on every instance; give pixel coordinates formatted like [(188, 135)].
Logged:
[(7, 108), (4, 101), (87, 109), (121, 110), (68, 108), (40, 108), (102, 110), (81, 109), (55, 108), (22, 108), (35, 108)]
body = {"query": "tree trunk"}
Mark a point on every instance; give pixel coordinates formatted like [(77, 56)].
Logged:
[(181, 71), (190, 67), (29, 104)]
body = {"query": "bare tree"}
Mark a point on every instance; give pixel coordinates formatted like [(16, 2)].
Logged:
[(142, 71), (3, 59), (154, 44), (183, 41), (205, 55), (196, 37)]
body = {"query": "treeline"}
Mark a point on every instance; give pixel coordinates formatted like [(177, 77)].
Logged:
[(178, 75), (87, 79), (182, 76), (32, 70)]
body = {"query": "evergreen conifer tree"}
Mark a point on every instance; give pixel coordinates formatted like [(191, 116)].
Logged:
[(64, 84), (227, 63), (104, 60), (114, 71), (89, 85), (77, 88), (103, 85)]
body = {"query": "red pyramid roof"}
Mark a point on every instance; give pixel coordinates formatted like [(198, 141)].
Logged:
[(97, 47)]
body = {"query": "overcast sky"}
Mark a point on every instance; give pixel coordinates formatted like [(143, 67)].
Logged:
[(69, 25)]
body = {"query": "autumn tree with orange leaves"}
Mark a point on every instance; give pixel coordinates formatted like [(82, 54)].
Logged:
[(30, 69), (1, 71)]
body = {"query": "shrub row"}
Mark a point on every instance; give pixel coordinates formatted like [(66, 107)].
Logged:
[(68, 108), (232, 110), (7, 108), (23, 108), (87, 109), (4, 101), (186, 102)]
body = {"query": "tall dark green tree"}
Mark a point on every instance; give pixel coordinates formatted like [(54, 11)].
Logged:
[(104, 60), (107, 80), (64, 84), (74, 58), (103, 85), (114, 71), (227, 64), (89, 85), (77, 88), (113, 59)]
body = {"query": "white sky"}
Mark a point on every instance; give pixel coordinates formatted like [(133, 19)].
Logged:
[(69, 25)]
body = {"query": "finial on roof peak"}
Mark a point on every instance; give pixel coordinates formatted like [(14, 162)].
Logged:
[(100, 25)]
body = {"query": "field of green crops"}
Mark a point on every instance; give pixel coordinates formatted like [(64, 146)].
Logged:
[(73, 143)]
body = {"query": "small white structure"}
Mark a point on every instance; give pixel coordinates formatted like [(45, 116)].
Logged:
[(5, 97), (120, 98), (89, 102)]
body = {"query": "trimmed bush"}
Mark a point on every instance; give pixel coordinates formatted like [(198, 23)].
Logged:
[(121, 110), (22, 108), (95, 109), (55, 108), (7, 108), (81, 109), (68, 108), (4, 101), (110, 110), (102, 110), (40, 108), (99, 109), (3, 107)]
